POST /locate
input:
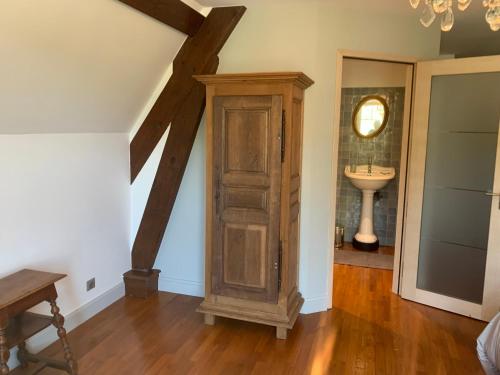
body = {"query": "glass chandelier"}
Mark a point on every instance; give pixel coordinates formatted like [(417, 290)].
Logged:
[(432, 8)]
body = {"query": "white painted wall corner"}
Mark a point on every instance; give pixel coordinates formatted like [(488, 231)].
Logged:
[(315, 304), (181, 286)]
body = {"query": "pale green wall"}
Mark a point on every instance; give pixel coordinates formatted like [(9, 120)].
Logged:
[(301, 36)]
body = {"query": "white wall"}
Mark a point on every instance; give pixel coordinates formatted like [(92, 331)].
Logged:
[(365, 73), (302, 36), (64, 203), (181, 255)]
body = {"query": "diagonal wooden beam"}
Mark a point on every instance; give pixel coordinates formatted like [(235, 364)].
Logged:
[(169, 176), (174, 13), (193, 58), (181, 104)]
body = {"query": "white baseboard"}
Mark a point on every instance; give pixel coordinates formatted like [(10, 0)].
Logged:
[(196, 288), (166, 284), (181, 286), (314, 305), (72, 320)]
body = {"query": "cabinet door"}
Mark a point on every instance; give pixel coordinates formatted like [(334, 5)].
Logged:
[(246, 201)]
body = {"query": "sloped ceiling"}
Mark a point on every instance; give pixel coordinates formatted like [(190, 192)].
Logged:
[(73, 66), (391, 6)]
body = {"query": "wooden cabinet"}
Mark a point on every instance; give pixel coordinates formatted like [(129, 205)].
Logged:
[(254, 153)]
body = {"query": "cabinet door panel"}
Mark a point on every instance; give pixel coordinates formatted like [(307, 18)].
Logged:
[(246, 188)]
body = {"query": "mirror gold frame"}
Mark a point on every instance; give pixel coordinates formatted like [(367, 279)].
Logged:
[(360, 105)]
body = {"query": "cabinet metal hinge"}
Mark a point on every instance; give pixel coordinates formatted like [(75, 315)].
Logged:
[(280, 259), (283, 138)]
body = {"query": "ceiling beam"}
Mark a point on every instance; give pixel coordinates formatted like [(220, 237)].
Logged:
[(173, 13), (193, 58)]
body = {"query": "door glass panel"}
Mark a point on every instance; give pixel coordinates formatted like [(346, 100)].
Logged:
[(461, 152)]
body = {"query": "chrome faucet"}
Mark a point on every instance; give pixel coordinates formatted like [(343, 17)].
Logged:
[(370, 163)]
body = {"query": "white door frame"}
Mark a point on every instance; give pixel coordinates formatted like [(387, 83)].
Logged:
[(416, 174), (382, 57)]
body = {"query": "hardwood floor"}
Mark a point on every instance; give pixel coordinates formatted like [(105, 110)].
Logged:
[(370, 331)]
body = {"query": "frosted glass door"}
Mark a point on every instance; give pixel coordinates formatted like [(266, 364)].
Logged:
[(451, 247), (460, 166)]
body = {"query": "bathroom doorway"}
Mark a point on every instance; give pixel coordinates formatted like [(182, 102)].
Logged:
[(371, 137), (448, 181)]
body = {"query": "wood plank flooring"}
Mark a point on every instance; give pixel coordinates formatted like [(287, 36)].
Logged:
[(369, 331)]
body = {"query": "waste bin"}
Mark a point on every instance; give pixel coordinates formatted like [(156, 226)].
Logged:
[(339, 237)]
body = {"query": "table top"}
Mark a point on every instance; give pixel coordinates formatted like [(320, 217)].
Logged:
[(19, 285)]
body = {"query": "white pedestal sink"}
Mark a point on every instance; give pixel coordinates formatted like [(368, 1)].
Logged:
[(368, 180)]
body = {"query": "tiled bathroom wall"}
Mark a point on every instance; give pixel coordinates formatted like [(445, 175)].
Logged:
[(386, 151)]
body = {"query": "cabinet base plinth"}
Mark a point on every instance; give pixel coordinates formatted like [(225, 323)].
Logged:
[(282, 321), (281, 333)]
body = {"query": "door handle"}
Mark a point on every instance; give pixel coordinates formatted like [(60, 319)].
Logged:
[(491, 194)]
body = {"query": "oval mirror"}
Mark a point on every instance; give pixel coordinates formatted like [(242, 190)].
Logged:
[(370, 116)]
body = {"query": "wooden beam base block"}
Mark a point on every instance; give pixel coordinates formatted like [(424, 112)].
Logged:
[(141, 284)]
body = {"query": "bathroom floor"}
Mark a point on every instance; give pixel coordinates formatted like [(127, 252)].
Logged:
[(386, 250), (382, 258)]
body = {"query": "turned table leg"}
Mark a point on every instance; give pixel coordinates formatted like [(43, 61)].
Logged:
[(58, 322), (21, 354), (4, 347)]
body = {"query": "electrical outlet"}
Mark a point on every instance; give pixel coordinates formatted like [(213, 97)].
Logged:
[(91, 284)]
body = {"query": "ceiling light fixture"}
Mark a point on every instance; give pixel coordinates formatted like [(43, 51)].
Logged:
[(444, 8)]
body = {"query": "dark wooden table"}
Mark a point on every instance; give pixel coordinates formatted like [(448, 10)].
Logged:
[(18, 293)]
